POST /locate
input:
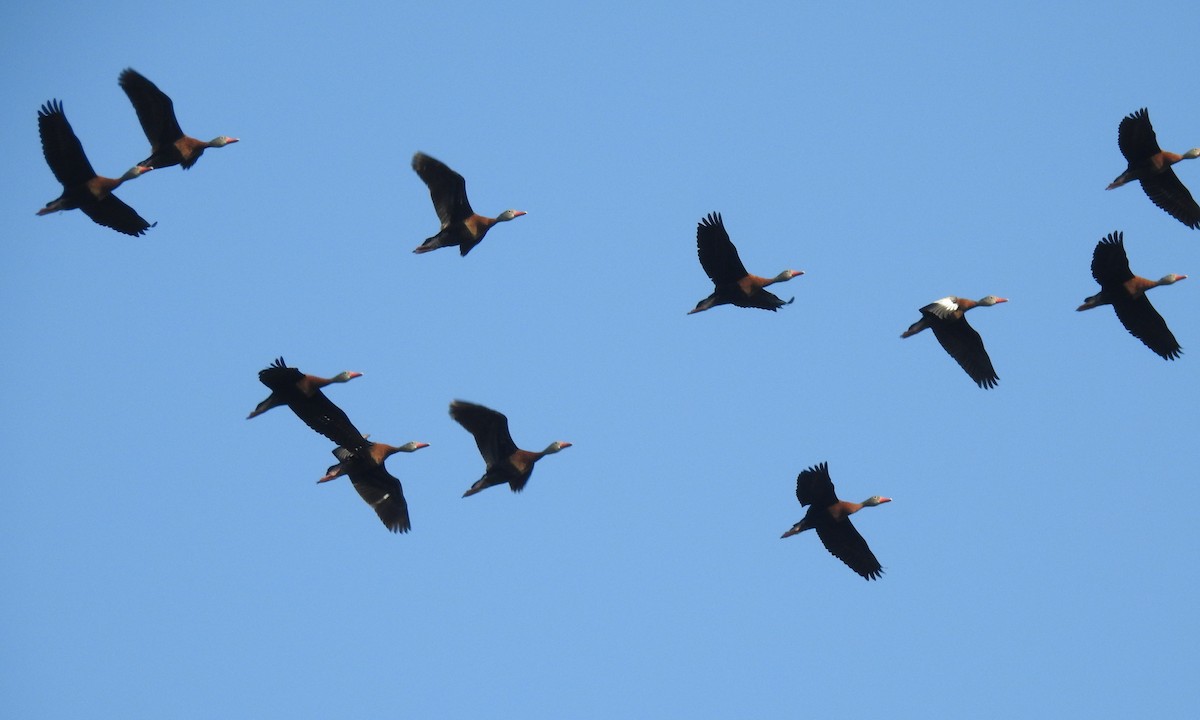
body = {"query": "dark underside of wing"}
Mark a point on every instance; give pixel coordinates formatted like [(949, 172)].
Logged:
[(322, 415), (1166, 191), (111, 212), (447, 189), (718, 256), (62, 149), (814, 487), (1144, 323), (1135, 137), (963, 344), (279, 377), (154, 108), (489, 428), (1110, 264), (382, 491), (842, 540), (760, 298)]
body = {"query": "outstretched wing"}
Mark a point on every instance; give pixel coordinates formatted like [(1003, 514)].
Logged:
[(322, 415), (279, 377), (382, 491), (1110, 264), (1144, 323), (63, 151), (762, 299), (718, 256), (155, 111), (842, 540), (1135, 137), (1166, 191), (945, 309), (814, 486), (446, 187), (963, 344), (489, 427), (111, 212)]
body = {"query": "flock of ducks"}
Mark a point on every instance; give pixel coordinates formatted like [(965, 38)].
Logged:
[(83, 189), (363, 461)]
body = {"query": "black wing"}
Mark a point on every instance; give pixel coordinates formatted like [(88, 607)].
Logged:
[(1166, 191), (718, 256), (842, 540), (279, 377), (155, 111), (382, 491), (1135, 137), (814, 487), (446, 187), (963, 344), (322, 415), (63, 151), (1110, 264), (1144, 323), (763, 299), (111, 212), (490, 429)]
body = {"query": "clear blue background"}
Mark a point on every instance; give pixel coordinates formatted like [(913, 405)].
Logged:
[(164, 557)]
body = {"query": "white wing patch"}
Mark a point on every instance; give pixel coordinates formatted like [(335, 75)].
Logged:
[(945, 307)]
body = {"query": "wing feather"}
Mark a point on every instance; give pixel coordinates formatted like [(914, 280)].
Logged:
[(963, 344), (815, 487), (1136, 138), (718, 256), (154, 108), (383, 492), (1167, 192), (447, 189), (844, 542), (63, 151), (112, 212), (489, 428), (1110, 264), (1144, 323)]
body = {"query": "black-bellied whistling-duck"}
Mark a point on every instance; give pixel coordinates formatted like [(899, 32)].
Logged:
[(82, 187), (1151, 165), (460, 225), (830, 517), (302, 393), (379, 488), (506, 463), (1126, 292), (947, 318), (734, 285), (155, 111)]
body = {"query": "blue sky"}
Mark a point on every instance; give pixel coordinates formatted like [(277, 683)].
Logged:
[(165, 557)]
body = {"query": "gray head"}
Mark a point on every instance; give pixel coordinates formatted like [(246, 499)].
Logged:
[(222, 141), (1190, 154), (345, 376), (555, 447), (992, 300), (876, 500), (1171, 279), (509, 215)]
